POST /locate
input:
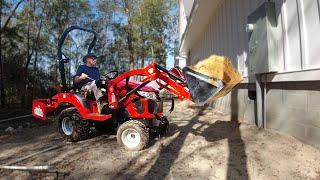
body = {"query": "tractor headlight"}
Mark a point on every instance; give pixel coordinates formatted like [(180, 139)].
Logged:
[(149, 95)]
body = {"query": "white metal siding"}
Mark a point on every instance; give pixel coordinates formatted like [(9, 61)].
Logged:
[(310, 23), (298, 37), (293, 60), (298, 34)]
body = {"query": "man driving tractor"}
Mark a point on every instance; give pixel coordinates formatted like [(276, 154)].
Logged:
[(86, 77), (131, 108)]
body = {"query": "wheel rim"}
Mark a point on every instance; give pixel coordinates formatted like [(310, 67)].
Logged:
[(67, 126), (131, 138)]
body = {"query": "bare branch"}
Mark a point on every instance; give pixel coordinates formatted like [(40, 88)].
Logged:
[(11, 15)]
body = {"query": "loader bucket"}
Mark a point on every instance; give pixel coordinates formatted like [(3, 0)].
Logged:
[(211, 79), (201, 87)]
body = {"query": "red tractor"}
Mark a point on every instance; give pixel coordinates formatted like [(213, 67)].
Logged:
[(132, 108)]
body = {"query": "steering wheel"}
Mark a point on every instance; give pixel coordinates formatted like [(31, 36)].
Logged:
[(112, 74)]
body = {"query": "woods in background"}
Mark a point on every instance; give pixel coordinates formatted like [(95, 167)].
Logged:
[(132, 33)]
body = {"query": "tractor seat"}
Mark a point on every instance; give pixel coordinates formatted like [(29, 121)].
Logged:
[(76, 88), (83, 100)]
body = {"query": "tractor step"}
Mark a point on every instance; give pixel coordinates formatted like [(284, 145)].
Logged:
[(97, 116)]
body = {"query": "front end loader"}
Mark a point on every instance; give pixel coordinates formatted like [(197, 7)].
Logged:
[(132, 108)]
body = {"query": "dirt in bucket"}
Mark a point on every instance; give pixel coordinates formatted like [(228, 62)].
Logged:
[(211, 78)]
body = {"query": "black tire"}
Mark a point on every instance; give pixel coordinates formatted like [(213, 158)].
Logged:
[(137, 128), (80, 129)]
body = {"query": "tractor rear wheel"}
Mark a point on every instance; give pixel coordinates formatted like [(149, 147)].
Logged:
[(133, 135), (71, 126)]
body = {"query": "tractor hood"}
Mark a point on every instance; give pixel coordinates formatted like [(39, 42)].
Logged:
[(134, 84)]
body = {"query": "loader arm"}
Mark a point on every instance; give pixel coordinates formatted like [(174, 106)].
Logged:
[(210, 79), (153, 72)]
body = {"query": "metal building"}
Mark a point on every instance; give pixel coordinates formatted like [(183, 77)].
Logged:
[(275, 45)]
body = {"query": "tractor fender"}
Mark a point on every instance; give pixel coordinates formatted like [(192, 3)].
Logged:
[(74, 99)]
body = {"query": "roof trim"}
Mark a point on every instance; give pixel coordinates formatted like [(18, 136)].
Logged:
[(200, 16), (191, 16)]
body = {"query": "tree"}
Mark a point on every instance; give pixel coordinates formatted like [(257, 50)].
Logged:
[(156, 19), (131, 33), (3, 5), (142, 26), (34, 33)]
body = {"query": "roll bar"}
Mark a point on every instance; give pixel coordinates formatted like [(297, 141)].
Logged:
[(66, 60)]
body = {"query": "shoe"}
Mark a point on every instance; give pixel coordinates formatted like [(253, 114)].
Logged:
[(100, 105)]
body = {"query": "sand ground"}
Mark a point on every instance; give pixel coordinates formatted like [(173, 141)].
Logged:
[(202, 143)]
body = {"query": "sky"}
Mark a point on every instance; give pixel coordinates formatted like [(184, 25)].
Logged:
[(170, 61), (170, 57), (79, 40)]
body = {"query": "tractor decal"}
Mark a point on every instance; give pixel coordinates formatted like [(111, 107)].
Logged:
[(38, 111)]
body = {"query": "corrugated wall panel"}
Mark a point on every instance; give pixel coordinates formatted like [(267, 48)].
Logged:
[(242, 9), (220, 30), (239, 40), (292, 32), (279, 36), (288, 108), (225, 34), (297, 33), (211, 35), (310, 25), (233, 25), (224, 28)]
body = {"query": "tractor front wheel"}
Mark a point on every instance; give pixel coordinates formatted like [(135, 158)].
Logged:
[(72, 127), (133, 135)]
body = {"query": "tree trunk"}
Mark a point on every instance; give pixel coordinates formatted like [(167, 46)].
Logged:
[(11, 15), (130, 47), (129, 32), (2, 93), (29, 56), (143, 38), (35, 49), (143, 54), (2, 88)]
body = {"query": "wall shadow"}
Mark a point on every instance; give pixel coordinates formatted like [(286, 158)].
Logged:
[(219, 130), (170, 153), (237, 160)]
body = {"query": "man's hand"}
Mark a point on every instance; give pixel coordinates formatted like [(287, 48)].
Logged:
[(78, 79), (83, 76)]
